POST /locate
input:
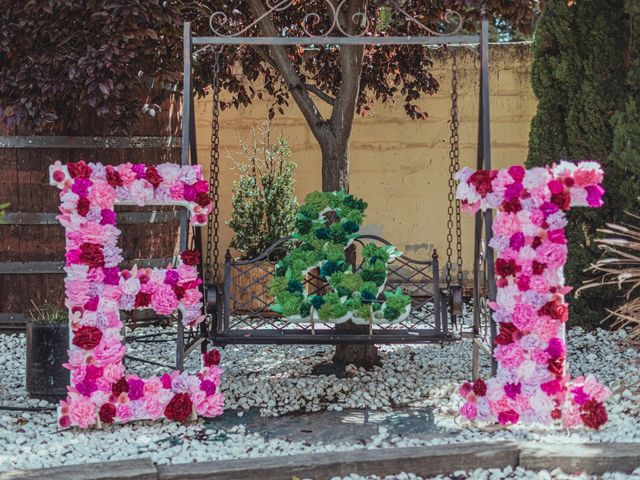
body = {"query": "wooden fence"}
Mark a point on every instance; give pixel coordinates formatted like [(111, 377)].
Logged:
[(32, 245)]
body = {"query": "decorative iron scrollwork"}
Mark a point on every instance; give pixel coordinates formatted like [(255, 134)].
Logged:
[(220, 22)]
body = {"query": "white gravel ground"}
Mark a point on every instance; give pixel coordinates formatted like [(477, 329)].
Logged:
[(278, 380), (495, 474)]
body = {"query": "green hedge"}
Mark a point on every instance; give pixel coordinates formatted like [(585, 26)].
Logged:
[(586, 75)]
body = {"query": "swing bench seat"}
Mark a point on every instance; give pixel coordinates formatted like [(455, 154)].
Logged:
[(241, 313)]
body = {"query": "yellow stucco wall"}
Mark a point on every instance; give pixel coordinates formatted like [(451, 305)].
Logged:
[(399, 166)]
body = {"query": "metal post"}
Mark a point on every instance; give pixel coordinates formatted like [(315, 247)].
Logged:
[(437, 304), (187, 113), (477, 259), (486, 154), (227, 290)]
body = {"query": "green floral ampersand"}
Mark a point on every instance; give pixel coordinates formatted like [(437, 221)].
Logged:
[(322, 245)]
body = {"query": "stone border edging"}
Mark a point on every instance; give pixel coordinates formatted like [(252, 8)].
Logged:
[(593, 458)]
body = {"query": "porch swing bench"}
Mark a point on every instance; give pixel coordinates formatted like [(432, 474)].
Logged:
[(237, 300)]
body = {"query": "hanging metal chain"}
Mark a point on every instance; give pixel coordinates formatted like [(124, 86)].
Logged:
[(454, 165), (213, 224)]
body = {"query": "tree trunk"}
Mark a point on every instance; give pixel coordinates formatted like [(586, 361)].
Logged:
[(335, 167), (335, 176)]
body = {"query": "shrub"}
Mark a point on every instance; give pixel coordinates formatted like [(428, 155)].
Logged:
[(263, 200)]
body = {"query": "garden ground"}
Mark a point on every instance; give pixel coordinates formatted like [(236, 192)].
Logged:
[(277, 405)]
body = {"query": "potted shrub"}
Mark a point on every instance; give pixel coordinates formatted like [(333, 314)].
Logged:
[(264, 210), (47, 345)]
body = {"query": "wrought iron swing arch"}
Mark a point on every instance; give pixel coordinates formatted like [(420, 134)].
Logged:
[(217, 293)]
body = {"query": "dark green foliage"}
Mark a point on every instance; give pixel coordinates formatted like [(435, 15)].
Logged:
[(586, 78)]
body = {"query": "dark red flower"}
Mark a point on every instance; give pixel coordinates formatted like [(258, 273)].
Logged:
[(153, 177), (92, 254), (64, 421), (179, 291), (480, 387), (594, 414), (537, 241), (87, 337), (107, 413), (190, 257), (203, 199), (83, 206), (508, 334), (211, 358), (120, 386), (481, 180), (555, 310), (179, 407), (556, 414), (556, 366), (113, 177), (538, 268), (143, 299), (562, 200), (512, 206), (79, 169), (505, 268)]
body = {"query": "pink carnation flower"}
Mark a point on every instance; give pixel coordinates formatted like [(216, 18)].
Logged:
[(207, 405), (127, 175), (595, 390), (142, 192), (164, 300), (153, 407), (82, 411), (587, 175), (191, 296), (152, 386), (102, 194), (510, 356), (524, 317), (469, 410), (507, 224), (123, 412), (110, 350), (553, 254)]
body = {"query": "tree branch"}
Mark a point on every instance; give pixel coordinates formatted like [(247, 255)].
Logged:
[(264, 55), (297, 88), (317, 91), (321, 94)]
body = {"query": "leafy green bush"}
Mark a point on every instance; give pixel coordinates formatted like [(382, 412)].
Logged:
[(263, 200)]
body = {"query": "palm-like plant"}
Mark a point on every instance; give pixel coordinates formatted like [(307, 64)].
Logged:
[(620, 266)]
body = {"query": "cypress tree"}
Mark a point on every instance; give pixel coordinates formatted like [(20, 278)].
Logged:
[(586, 77)]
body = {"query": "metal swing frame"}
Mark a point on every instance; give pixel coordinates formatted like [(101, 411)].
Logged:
[(217, 294)]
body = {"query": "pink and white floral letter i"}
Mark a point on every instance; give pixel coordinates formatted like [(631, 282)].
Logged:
[(532, 384)]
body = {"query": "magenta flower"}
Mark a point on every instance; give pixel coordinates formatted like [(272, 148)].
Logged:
[(136, 388)]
